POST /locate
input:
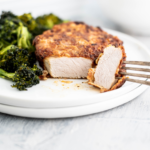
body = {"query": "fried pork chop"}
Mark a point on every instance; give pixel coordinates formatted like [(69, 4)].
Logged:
[(108, 66), (70, 49)]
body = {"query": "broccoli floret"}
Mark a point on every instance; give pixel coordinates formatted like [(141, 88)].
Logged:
[(14, 32), (33, 27), (3, 44), (24, 77), (8, 32), (36, 70), (7, 14), (28, 21), (11, 57), (44, 23), (24, 38), (48, 21)]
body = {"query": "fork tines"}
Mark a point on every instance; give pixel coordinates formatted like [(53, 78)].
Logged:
[(136, 69), (143, 63)]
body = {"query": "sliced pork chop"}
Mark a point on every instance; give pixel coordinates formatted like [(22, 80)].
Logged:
[(108, 65), (70, 49), (70, 67)]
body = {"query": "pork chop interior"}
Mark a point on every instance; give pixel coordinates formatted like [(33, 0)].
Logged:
[(68, 50), (103, 76), (68, 67), (107, 66)]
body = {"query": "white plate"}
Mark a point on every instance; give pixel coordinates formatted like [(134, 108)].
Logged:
[(54, 94), (72, 111)]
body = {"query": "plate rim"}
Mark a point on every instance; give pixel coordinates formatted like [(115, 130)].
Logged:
[(72, 111)]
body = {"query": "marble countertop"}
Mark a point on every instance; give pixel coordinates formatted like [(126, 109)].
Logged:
[(126, 127)]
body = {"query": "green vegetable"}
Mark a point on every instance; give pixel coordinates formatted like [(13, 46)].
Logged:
[(28, 21), (36, 70), (8, 15), (24, 77), (3, 44), (13, 31), (20, 30), (11, 57), (40, 24), (24, 38), (8, 32), (17, 57), (48, 21)]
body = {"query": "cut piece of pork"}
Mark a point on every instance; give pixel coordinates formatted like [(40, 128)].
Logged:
[(68, 67), (69, 49), (108, 65)]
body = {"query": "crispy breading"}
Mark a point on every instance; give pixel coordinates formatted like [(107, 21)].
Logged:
[(116, 85), (74, 39)]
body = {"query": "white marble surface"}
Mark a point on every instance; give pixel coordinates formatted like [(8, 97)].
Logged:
[(126, 127)]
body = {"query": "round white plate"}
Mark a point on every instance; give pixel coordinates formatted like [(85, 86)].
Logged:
[(72, 111), (54, 93)]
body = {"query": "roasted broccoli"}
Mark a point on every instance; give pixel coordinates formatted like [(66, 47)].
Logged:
[(36, 70), (24, 77), (48, 21), (24, 38), (17, 57), (40, 24), (7, 15), (11, 57), (35, 26), (13, 31), (8, 32), (3, 44), (28, 21)]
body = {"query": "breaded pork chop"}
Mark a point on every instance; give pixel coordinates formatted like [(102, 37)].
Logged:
[(70, 49)]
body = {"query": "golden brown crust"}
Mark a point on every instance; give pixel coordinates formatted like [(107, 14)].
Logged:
[(121, 63), (91, 79), (100, 55), (91, 73), (44, 75), (119, 83), (74, 39)]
